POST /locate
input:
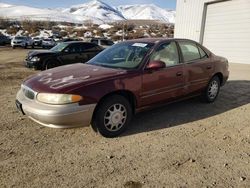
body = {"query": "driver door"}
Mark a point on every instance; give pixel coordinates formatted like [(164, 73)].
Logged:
[(70, 55), (166, 83)]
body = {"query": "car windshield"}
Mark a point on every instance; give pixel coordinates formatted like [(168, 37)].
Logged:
[(125, 55), (59, 47), (19, 38)]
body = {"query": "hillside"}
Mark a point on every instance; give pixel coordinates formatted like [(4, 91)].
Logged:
[(95, 11)]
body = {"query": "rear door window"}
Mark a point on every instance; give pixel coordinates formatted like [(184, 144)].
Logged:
[(189, 50)]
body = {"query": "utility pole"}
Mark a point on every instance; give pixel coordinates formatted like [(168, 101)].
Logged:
[(123, 31)]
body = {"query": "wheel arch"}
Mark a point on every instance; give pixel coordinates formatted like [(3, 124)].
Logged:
[(220, 76), (125, 93), (45, 61)]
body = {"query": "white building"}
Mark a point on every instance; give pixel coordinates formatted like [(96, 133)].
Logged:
[(223, 26)]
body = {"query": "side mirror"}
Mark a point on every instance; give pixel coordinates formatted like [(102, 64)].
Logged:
[(155, 65)]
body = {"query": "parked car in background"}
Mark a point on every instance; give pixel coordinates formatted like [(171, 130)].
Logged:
[(62, 54), (69, 39), (48, 43), (22, 41), (105, 43), (123, 79), (37, 41), (4, 40)]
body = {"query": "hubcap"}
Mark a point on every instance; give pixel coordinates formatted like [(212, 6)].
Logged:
[(115, 117), (213, 89)]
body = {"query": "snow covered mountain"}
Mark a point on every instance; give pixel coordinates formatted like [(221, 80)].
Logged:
[(95, 10), (147, 12)]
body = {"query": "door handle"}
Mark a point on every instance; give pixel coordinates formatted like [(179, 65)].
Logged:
[(209, 67), (179, 74)]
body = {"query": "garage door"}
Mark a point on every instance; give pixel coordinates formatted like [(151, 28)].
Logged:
[(227, 30)]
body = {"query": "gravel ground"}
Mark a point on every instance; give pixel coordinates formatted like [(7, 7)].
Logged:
[(186, 144)]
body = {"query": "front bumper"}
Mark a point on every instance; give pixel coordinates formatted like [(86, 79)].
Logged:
[(55, 116), (17, 45), (32, 64)]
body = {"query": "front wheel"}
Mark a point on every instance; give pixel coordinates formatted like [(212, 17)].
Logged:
[(212, 90), (49, 64), (112, 116)]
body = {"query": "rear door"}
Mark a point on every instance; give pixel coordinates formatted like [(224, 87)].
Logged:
[(167, 83), (198, 66)]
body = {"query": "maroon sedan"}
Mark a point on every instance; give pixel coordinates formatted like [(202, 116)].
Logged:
[(120, 81)]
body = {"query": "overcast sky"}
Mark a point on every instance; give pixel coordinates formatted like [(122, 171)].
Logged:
[(67, 3)]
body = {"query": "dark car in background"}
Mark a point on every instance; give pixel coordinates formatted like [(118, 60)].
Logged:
[(124, 79), (69, 40), (62, 54), (4, 40)]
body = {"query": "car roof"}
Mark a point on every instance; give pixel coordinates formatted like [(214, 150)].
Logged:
[(157, 40)]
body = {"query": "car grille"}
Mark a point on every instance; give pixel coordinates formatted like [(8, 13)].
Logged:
[(28, 92)]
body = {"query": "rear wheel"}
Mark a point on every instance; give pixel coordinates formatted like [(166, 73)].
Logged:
[(212, 90), (112, 116)]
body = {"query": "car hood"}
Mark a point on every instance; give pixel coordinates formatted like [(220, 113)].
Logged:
[(67, 78), (40, 52)]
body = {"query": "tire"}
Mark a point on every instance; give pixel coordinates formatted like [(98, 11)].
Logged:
[(25, 47), (212, 90), (13, 47), (112, 116), (49, 64)]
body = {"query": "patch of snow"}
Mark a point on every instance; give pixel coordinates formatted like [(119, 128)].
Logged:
[(105, 26)]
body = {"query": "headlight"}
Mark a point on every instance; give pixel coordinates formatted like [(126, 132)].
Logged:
[(35, 59), (51, 98)]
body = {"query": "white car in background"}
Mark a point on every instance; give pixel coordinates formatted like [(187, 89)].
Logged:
[(103, 42), (22, 41), (48, 43)]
